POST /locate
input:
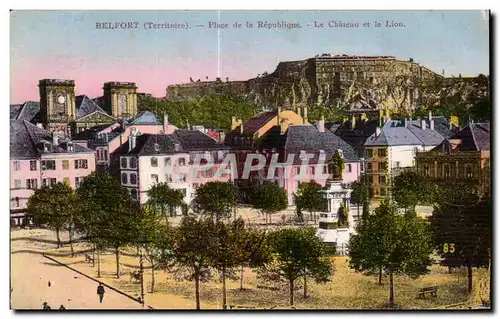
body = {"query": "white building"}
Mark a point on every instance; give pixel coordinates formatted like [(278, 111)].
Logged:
[(392, 149), (147, 159)]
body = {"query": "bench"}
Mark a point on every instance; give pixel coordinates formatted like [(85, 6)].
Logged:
[(432, 290)]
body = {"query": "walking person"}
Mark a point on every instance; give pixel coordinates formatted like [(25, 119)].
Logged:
[(46, 306), (100, 292), (62, 308)]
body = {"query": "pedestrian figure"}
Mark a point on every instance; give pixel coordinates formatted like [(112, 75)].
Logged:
[(46, 306), (49, 283), (100, 292), (62, 308)]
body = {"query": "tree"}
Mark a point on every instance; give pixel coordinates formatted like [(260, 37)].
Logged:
[(108, 214), (229, 249), (269, 198), (156, 241), (359, 193), (216, 199), (399, 244), (193, 241), (309, 197), (298, 252), (162, 196), (55, 207), (410, 189), (462, 234)]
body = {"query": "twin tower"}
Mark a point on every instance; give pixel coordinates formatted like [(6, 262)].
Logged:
[(58, 102)]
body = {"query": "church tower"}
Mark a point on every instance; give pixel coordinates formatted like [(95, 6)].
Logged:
[(120, 99), (57, 105)]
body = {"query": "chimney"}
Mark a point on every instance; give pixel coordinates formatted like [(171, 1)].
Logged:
[(305, 114), (378, 131), (321, 124), (55, 139), (423, 124), (131, 142), (165, 123), (353, 121), (299, 111)]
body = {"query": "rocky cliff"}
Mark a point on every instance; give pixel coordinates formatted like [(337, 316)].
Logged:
[(347, 82)]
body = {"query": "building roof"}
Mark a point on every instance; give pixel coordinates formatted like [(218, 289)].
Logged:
[(26, 141), (272, 139), (308, 138), (29, 110), (86, 106), (15, 109), (474, 137), (186, 140), (146, 118), (392, 134), (256, 122)]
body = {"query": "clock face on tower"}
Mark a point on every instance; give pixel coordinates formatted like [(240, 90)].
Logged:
[(122, 103), (60, 105)]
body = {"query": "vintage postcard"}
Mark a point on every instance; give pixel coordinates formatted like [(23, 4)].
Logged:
[(250, 160)]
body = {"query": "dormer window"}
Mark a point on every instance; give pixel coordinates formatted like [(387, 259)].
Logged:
[(46, 146), (177, 147), (154, 162), (70, 147), (157, 147)]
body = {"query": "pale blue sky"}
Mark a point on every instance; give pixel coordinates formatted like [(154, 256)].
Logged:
[(66, 44)]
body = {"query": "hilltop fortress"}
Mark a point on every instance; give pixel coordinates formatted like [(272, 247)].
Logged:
[(325, 80)]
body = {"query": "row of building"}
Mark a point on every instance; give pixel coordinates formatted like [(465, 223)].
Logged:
[(64, 140)]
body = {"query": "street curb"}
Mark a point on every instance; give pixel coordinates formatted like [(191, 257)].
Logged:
[(98, 281)]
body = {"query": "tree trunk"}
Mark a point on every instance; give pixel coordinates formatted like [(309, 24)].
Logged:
[(164, 213), (224, 293), (58, 238), (359, 220), (305, 286), (241, 277), (93, 256), (291, 292), (469, 278), (152, 277), (117, 254), (98, 263), (380, 275), (70, 231), (197, 288), (391, 289)]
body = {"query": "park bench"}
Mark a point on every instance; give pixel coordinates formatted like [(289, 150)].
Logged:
[(88, 258), (432, 290)]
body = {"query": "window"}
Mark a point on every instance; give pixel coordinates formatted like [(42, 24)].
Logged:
[(468, 172), (133, 179), (78, 181), (154, 178), (182, 161), (133, 193), (65, 164), (382, 179), (369, 153), (382, 191), (32, 183), (381, 152), (157, 147), (123, 162), (369, 166), (426, 170), (154, 162), (17, 165), (105, 155), (348, 168), (168, 178), (82, 163), (33, 166), (17, 201), (133, 162), (182, 178), (17, 183), (124, 178), (382, 166), (370, 179), (66, 181), (313, 169), (324, 169), (48, 165), (48, 182), (446, 170)]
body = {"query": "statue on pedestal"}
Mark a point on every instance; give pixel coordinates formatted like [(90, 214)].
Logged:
[(336, 165)]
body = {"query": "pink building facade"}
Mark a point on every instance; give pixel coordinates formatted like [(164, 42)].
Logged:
[(38, 158)]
